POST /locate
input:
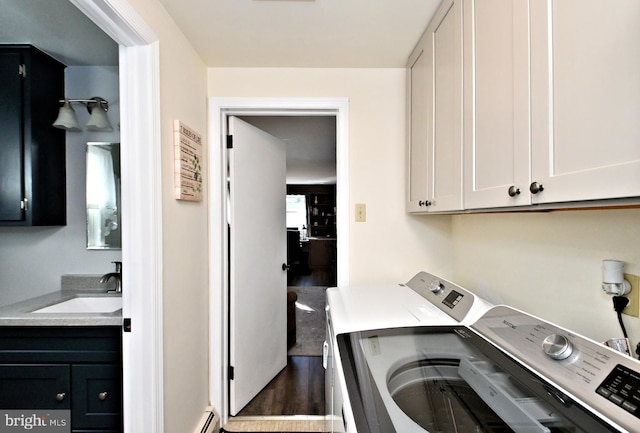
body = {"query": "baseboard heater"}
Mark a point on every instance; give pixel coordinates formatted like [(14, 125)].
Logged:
[(210, 422)]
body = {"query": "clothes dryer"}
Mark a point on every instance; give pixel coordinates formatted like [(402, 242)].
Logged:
[(424, 301)]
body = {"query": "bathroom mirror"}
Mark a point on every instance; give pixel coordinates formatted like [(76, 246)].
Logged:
[(103, 196)]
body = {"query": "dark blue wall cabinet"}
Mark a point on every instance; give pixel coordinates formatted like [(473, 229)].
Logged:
[(32, 151), (73, 368)]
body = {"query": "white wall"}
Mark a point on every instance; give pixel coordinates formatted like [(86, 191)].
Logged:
[(184, 233), (550, 264), (32, 259), (391, 246)]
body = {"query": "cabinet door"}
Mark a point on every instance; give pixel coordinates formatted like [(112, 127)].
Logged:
[(11, 156), (585, 99), (418, 78), (445, 134), (32, 151), (97, 397), (35, 386), (496, 101)]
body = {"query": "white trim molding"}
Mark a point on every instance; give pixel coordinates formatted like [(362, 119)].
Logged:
[(119, 20), (219, 110), (142, 210), (142, 242)]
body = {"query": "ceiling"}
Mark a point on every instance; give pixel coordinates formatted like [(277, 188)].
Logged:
[(250, 33), (241, 33), (303, 33), (311, 145)]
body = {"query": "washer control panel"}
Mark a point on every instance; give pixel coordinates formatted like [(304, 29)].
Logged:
[(622, 387), (447, 296), (596, 375)]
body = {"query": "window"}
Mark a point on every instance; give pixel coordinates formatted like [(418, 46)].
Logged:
[(297, 213)]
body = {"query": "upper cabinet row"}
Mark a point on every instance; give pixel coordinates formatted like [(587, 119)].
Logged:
[(518, 103)]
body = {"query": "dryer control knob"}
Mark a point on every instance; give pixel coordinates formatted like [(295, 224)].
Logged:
[(436, 287), (557, 346)]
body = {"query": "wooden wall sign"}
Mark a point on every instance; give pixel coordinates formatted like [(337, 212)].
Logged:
[(188, 160)]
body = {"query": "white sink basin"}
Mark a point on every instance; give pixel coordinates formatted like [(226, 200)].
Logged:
[(85, 304)]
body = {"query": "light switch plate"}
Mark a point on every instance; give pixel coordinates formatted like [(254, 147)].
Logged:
[(634, 296), (361, 212)]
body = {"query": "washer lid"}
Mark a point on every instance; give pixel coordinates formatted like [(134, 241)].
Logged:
[(389, 371), (355, 308), (426, 300)]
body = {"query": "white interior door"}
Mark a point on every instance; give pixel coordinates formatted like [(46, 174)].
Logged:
[(258, 282)]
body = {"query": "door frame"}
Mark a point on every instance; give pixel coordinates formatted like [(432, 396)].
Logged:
[(139, 71), (219, 110)]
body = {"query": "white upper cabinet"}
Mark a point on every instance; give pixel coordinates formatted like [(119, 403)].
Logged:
[(435, 130), (550, 115), (496, 103), (445, 136), (418, 78), (585, 94)]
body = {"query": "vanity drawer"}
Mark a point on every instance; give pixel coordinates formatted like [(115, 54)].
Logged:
[(97, 396), (35, 386), (60, 344)]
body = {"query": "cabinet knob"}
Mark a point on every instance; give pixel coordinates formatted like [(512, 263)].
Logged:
[(513, 191), (60, 396), (536, 187), (424, 203), (102, 396), (285, 267)]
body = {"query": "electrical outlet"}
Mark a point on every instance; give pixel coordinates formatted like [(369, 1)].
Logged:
[(634, 295), (361, 212)]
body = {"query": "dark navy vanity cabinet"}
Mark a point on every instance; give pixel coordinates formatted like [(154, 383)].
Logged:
[(73, 368)]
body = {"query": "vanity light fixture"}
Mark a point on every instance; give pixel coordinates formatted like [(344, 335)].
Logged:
[(96, 106)]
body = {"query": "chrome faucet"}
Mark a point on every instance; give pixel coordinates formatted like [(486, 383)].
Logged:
[(117, 276)]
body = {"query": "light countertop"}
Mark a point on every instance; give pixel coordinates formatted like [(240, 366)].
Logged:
[(20, 313)]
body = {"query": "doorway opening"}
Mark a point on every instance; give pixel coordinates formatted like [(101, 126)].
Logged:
[(220, 110), (311, 242)]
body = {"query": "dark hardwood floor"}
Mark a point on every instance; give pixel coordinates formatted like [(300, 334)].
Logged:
[(299, 388), (296, 390)]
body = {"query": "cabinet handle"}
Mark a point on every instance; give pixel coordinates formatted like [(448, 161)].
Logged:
[(60, 396), (536, 187), (424, 203), (513, 191), (102, 396)]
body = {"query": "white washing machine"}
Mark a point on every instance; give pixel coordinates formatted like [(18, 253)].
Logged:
[(507, 372), (425, 301)]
